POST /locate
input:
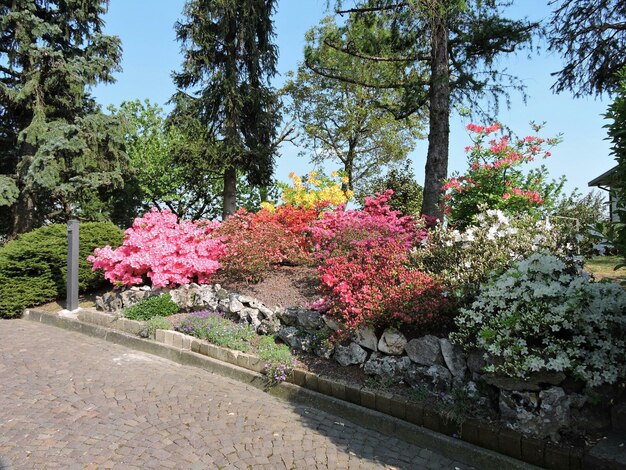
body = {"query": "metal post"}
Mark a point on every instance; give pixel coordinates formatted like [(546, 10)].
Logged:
[(72, 265)]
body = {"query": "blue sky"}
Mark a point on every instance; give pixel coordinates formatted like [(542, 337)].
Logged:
[(151, 53)]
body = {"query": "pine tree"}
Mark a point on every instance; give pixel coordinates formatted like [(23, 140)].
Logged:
[(445, 53), (57, 149), (229, 58)]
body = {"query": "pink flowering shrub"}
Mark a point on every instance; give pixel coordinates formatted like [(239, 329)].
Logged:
[(495, 180), (163, 250), (372, 285), (339, 232)]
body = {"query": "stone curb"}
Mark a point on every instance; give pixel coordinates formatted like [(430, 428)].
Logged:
[(376, 411)]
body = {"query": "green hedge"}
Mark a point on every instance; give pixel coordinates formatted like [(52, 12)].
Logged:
[(33, 267)]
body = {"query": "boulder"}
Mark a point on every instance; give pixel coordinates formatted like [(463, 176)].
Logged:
[(287, 316), (351, 354), (294, 338), (330, 323), (454, 358), (425, 351), (435, 377), (365, 336), (309, 320), (540, 414), (234, 304), (387, 367), (324, 350), (392, 342), (269, 326), (533, 383)]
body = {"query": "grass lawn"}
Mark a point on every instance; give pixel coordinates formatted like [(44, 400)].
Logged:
[(602, 267)]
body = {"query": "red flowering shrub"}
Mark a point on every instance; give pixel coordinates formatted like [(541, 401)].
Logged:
[(495, 180), (338, 232), (372, 285), (256, 242), (163, 250)]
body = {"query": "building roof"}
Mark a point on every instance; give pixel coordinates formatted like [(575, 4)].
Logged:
[(605, 179)]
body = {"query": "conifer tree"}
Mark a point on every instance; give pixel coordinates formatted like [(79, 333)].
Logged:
[(229, 58), (57, 149)]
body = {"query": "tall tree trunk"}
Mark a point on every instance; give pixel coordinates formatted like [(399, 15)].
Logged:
[(230, 192), (439, 117)]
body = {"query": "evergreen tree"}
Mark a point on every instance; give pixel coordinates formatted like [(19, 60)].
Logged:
[(229, 58), (57, 150), (445, 53)]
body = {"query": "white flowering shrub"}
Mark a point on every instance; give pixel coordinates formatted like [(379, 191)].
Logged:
[(545, 315), (463, 259)]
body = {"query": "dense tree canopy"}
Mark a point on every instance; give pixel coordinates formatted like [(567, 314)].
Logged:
[(443, 52), (229, 58), (57, 150)]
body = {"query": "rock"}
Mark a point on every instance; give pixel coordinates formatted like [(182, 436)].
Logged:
[(309, 320), (206, 297), (454, 358), (577, 400), (181, 297), (99, 303), (425, 351), (435, 377), (287, 316), (351, 354), (234, 305), (330, 323), (387, 367), (476, 362), (392, 342), (540, 414), (253, 317), (365, 336), (289, 334), (269, 326), (265, 312), (533, 383), (220, 293)]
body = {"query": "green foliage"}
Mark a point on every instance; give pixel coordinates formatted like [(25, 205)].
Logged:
[(213, 327), (407, 193), (33, 268), (617, 133), (576, 217), (277, 357), (158, 306), (157, 323), (57, 148), (346, 122)]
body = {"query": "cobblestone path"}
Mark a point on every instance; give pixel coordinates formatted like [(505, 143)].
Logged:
[(71, 401)]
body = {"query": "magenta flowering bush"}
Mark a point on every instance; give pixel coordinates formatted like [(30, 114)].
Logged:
[(338, 232), (162, 250)]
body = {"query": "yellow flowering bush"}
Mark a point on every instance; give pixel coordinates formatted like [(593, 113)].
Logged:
[(316, 190)]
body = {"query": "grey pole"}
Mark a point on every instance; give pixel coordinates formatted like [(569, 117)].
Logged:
[(72, 265)]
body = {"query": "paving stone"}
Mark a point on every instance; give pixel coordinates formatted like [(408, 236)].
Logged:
[(87, 403)]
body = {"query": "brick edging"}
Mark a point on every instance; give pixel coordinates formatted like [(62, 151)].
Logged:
[(475, 444)]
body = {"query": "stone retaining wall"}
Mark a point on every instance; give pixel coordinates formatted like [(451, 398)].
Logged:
[(541, 405)]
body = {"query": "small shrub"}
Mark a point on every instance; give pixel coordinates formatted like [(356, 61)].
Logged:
[(463, 259), (542, 315), (163, 250), (213, 327), (277, 357), (337, 232), (157, 323), (373, 286), (257, 242), (495, 178), (33, 268), (158, 306)]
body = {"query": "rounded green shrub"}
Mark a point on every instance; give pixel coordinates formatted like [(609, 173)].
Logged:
[(33, 267), (159, 306)]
